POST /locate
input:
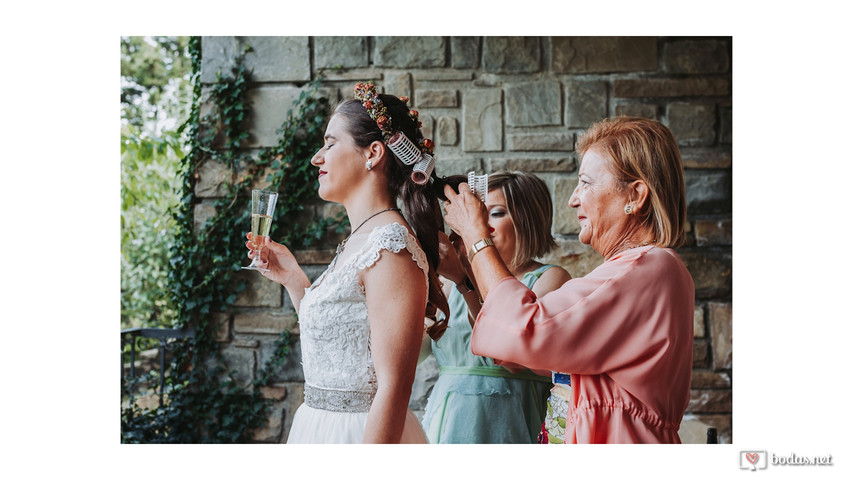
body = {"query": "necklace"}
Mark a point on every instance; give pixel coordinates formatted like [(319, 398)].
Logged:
[(629, 247), (344, 243)]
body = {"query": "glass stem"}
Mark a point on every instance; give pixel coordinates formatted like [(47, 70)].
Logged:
[(256, 261)]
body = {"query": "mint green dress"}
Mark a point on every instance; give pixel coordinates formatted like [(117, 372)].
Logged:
[(476, 401)]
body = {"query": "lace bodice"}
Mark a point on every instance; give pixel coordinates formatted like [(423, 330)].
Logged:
[(333, 321)]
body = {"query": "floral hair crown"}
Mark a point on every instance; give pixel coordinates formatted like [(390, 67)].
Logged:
[(403, 148)]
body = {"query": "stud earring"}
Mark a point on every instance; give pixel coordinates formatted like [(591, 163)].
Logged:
[(629, 209), (369, 165)]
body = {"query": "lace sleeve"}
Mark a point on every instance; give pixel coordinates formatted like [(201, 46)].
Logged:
[(394, 238)]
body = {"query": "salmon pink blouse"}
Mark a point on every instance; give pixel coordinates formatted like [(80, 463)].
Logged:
[(624, 331)]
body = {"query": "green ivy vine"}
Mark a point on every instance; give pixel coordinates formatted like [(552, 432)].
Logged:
[(205, 403)]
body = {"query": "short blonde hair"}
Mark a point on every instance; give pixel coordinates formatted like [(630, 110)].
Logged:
[(643, 149), (528, 202)]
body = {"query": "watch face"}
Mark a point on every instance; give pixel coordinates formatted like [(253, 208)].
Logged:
[(479, 245)]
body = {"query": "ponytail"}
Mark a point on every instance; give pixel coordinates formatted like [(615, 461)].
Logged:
[(424, 215)]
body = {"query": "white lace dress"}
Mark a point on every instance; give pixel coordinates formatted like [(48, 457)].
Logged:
[(340, 381)]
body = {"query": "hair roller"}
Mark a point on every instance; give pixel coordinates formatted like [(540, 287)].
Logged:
[(404, 148), (423, 169)]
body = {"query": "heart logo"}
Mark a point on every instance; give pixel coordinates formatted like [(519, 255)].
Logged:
[(752, 457)]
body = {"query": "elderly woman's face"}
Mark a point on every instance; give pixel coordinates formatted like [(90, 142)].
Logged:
[(600, 202)]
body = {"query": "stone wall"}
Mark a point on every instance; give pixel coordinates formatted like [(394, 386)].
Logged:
[(498, 103)]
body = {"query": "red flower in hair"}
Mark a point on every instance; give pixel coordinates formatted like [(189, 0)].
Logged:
[(381, 120), (404, 99), (428, 144)]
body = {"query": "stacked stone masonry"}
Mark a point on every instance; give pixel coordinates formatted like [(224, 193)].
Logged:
[(504, 103)]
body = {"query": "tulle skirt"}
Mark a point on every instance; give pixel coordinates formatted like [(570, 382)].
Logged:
[(312, 425)]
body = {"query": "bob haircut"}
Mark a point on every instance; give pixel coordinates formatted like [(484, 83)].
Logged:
[(643, 149), (531, 211)]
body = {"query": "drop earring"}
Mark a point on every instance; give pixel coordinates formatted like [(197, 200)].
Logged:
[(369, 165)]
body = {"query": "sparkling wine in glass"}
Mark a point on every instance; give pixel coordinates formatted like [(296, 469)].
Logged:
[(263, 205)]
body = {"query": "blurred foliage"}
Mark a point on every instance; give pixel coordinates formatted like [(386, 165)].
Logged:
[(155, 87), (156, 94), (149, 185)]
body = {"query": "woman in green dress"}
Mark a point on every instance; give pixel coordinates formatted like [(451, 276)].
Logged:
[(474, 399)]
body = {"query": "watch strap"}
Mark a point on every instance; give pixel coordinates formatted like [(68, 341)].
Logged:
[(479, 245)]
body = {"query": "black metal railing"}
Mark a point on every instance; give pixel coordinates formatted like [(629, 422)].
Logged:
[(162, 335)]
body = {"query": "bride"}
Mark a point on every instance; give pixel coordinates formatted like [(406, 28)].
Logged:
[(362, 321)]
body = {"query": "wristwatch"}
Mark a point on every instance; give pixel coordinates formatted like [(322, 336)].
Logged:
[(479, 245)]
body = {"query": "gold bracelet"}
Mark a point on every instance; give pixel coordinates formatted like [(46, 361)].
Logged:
[(479, 245)]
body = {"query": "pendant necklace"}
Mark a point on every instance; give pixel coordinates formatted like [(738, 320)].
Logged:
[(343, 243)]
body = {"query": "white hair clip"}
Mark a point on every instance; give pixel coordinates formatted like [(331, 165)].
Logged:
[(423, 169), (404, 148), (479, 185)]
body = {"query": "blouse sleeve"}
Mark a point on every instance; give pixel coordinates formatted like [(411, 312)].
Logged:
[(617, 316)]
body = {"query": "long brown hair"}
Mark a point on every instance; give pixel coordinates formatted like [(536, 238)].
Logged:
[(421, 209)]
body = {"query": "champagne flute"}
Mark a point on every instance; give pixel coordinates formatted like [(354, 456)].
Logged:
[(263, 205)]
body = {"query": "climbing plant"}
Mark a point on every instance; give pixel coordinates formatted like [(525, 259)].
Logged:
[(205, 403)]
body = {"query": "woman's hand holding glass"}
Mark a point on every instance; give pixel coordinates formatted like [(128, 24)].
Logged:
[(263, 206), (276, 261)]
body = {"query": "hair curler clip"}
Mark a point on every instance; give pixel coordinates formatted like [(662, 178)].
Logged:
[(479, 185), (404, 149), (422, 170)]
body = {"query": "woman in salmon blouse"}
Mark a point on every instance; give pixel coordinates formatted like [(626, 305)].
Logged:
[(625, 330)]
